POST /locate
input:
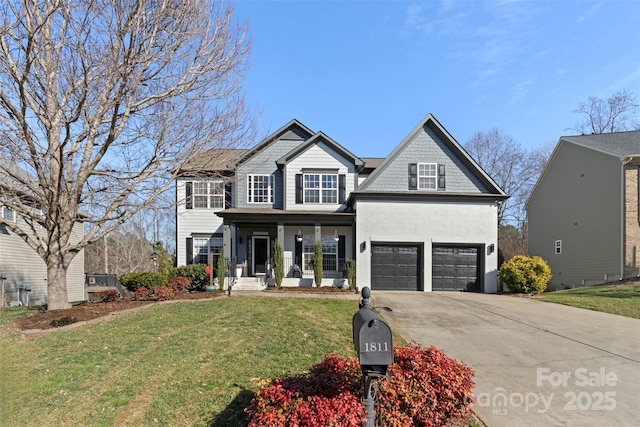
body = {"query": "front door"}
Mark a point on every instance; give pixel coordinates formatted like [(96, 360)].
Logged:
[(260, 254)]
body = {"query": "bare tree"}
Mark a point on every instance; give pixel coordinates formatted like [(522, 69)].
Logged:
[(101, 102), (618, 113), (512, 167), (125, 250)]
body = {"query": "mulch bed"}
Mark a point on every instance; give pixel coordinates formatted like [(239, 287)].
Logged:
[(93, 310)]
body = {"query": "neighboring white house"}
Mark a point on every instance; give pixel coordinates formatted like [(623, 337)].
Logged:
[(584, 210), (21, 267), (424, 218)]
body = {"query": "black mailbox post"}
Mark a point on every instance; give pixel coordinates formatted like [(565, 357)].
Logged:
[(373, 343)]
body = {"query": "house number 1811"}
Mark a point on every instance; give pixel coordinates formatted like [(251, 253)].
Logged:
[(370, 347)]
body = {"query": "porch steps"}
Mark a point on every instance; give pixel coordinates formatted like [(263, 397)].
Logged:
[(249, 284)]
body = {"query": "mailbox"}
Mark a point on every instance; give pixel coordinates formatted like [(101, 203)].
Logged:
[(372, 339)]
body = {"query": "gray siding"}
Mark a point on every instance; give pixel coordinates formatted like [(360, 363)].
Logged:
[(578, 201), (24, 267), (426, 147), (264, 163)]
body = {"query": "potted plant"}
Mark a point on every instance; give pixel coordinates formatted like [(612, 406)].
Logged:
[(240, 268)]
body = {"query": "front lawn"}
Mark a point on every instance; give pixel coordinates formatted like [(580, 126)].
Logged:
[(622, 299), (187, 363)]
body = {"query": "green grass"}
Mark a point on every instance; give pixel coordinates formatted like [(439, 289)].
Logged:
[(187, 363), (622, 299)]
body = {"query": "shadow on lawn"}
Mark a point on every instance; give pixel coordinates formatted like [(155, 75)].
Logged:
[(604, 292), (234, 414)]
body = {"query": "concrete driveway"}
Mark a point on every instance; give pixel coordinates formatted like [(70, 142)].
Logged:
[(536, 364)]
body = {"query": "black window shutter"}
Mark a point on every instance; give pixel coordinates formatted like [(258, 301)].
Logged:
[(227, 196), (299, 197), (189, 187), (341, 252), (413, 176), (297, 256), (189, 250), (441, 177), (342, 188)]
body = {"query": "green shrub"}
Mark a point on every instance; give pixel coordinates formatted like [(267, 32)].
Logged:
[(133, 281), (350, 272), (317, 263), (195, 273), (523, 274), (221, 267), (278, 268)]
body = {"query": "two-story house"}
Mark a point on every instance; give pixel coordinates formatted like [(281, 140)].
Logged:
[(23, 273), (424, 218), (584, 210)]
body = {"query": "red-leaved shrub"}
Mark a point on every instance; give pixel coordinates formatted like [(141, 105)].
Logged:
[(323, 397), (107, 295), (180, 284), (163, 293), (142, 294), (425, 388)]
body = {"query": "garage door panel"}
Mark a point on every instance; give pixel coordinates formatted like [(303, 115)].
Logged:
[(456, 268), (395, 267)]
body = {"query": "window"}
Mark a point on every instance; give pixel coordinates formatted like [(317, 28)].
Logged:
[(8, 214), (427, 176), (259, 189), (320, 188), (329, 254), (202, 246), (558, 246), (208, 194)]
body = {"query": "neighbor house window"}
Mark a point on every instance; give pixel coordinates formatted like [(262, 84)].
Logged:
[(558, 246), (7, 213), (427, 176), (259, 189), (208, 194), (320, 188), (203, 246)]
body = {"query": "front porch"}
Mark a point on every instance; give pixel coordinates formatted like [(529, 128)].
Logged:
[(249, 237)]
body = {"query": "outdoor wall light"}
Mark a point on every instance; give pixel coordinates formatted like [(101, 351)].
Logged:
[(492, 248)]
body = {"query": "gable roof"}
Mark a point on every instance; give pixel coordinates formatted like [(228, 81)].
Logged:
[(620, 144), (293, 126), (433, 124), (315, 139)]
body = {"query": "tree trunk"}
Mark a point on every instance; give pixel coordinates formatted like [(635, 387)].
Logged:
[(57, 285)]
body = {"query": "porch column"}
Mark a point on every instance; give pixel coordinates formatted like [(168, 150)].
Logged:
[(280, 235), (226, 241), (318, 233)]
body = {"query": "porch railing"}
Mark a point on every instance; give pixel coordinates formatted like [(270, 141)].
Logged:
[(295, 268)]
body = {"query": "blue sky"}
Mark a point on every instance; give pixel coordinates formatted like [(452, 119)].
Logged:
[(366, 72)]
